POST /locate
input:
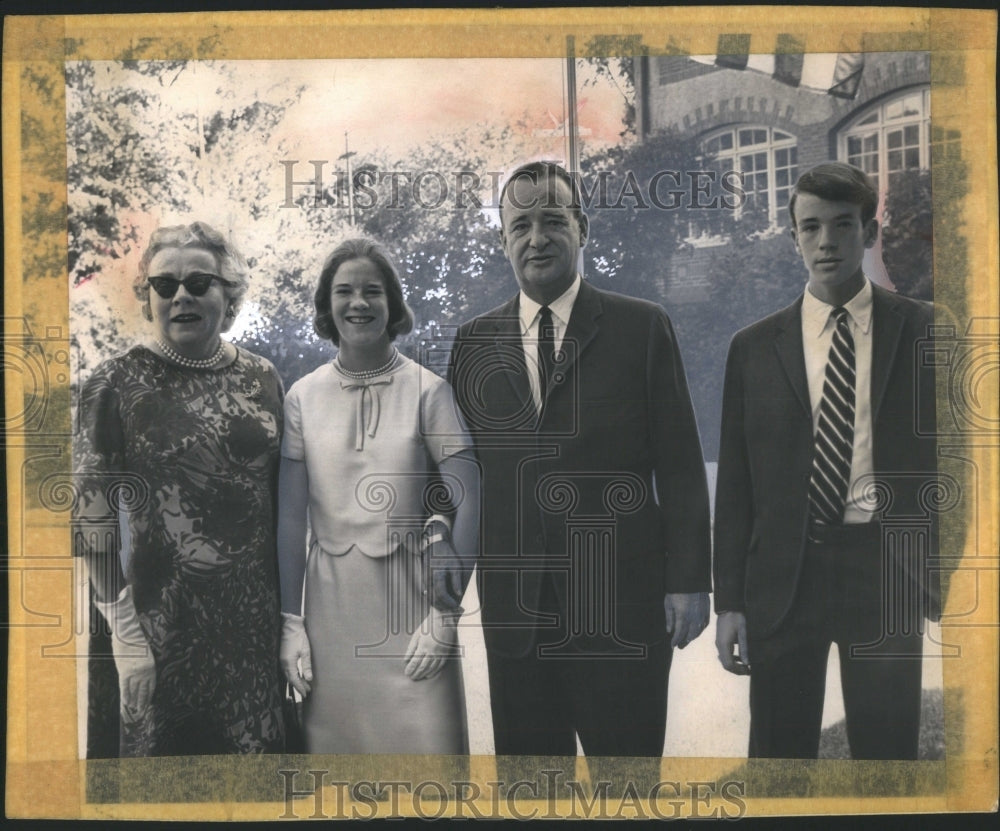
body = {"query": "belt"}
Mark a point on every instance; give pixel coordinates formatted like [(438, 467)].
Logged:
[(854, 533)]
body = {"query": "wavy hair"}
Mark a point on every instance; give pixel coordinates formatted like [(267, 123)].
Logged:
[(232, 266), (838, 182), (400, 314)]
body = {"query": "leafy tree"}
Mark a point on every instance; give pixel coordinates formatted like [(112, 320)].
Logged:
[(749, 278), (613, 59), (641, 214), (660, 203), (907, 234), (950, 175), (140, 149), (444, 226)]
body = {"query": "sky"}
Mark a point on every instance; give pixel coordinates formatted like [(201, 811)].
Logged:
[(396, 103), (389, 106)]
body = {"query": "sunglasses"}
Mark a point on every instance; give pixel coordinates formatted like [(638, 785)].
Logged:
[(195, 284)]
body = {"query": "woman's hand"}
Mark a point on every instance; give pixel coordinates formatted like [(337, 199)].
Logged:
[(136, 678), (295, 654), (434, 643), (133, 657)]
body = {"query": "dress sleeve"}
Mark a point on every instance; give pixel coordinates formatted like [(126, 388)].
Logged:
[(441, 423), (292, 444), (103, 485), (99, 448), (279, 387)]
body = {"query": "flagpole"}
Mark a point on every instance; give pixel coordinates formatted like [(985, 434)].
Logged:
[(350, 180), (573, 162)]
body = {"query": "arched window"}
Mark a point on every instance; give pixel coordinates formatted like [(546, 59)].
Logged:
[(890, 137), (766, 158)]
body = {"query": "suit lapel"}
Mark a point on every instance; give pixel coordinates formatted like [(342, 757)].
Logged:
[(509, 346), (887, 325), (788, 344), (580, 331)]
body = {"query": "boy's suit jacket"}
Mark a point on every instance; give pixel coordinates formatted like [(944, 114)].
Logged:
[(765, 460)]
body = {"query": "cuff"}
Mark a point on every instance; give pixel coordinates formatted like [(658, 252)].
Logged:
[(444, 520), (449, 614), (110, 608)]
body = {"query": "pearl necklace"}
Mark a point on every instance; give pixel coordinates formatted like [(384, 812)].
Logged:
[(191, 363), (367, 373)]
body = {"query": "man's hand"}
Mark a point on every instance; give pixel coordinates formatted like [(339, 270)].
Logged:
[(730, 631), (447, 580), (687, 616), (431, 646)]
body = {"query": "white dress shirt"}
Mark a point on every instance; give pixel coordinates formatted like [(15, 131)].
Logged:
[(817, 335), (529, 313)]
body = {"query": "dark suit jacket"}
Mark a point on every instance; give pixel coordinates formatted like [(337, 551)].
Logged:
[(765, 459), (606, 493)]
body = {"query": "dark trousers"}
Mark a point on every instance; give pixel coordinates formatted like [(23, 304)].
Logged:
[(851, 593), (617, 706)]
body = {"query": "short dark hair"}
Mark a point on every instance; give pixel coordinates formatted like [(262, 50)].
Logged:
[(232, 267), (838, 182), (400, 315), (543, 170)]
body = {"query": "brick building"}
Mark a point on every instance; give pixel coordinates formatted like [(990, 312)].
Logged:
[(770, 131)]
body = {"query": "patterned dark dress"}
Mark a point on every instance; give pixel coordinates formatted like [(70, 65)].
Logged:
[(190, 458)]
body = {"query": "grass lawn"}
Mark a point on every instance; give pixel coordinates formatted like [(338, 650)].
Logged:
[(833, 740)]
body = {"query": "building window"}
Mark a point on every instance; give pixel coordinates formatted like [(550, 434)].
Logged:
[(767, 160), (891, 137)]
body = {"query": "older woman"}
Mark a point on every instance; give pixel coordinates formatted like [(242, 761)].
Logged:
[(188, 426), (370, 438)]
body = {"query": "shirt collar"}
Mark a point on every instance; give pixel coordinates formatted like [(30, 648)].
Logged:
[(816, 312), (561, 307)]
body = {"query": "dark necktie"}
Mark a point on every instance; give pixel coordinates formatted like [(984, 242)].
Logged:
[(546, 352), (831, 471)]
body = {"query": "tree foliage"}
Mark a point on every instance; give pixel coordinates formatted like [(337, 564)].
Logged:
[(612, 57), (139, 153), (664, 205), (907, 234)]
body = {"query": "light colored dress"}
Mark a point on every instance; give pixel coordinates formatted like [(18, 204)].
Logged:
[(371, 450)]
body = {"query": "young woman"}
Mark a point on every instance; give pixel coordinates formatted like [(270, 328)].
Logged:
[(372, 439)]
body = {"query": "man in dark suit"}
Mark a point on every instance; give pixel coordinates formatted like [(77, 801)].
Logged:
[(596, 525), (824, 523)]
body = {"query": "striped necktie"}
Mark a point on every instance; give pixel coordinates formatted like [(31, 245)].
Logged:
[(831, 470), (546, 352)]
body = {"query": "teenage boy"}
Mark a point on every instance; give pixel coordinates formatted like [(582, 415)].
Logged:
[(827, 441)]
